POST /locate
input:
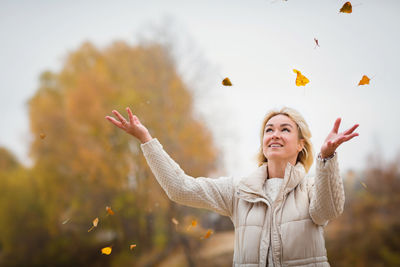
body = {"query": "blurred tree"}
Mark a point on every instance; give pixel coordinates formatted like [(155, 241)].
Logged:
[(368, 232), (82, 163)]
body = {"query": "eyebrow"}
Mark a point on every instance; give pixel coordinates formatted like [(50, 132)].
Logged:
[(283, 124)]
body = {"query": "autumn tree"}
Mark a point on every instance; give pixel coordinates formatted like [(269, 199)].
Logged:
[(83, 164), (368, 232)]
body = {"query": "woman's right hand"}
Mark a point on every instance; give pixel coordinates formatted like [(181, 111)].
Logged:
[(133, 126)]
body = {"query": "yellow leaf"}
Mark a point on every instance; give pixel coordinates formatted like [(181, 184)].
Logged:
[(364, 80), (109, 210), (132, 246), (301, 80), (106, 250), (363, 184), (42, 136), (95, 222), (346, 8), (226, 82), (175, 221)]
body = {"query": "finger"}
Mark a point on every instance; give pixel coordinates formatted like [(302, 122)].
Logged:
[(136, 120), (120, 117), (115, 122), (130, 114), (336, 125), (349, 131), (346, 138)]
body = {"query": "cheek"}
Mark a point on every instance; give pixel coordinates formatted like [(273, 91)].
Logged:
[(266, 140)]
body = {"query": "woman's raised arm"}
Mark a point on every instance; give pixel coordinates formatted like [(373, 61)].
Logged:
[(202, 192), (327, 192)]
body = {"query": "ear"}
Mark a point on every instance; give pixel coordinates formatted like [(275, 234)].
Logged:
[(300, 146)]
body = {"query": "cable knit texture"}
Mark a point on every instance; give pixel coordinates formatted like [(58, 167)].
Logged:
[(271, 189), (201, 192), (327, 193)]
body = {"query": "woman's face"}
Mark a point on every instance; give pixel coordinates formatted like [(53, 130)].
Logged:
[(281, 139)]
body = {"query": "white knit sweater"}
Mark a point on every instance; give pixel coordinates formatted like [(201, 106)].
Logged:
[(271, 189)]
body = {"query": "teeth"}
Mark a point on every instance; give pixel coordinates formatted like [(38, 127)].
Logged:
[(275, 145)]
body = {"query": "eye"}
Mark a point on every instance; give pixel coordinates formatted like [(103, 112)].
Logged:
[(286, 129), (267, 130)]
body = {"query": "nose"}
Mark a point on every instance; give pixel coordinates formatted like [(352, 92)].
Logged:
[(275, 135)]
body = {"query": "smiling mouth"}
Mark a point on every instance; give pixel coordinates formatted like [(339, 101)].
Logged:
[(275, 146)]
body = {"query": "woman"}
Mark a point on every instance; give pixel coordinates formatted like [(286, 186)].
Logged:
[(278, 212)]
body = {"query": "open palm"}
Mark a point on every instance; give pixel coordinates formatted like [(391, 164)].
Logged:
[(335, 139)]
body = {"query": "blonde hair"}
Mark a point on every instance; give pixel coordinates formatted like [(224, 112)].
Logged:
[(305, 156)]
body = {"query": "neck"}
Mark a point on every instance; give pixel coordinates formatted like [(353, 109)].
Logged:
[(276, 169)]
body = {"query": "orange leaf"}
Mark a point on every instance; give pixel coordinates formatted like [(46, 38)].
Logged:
[(106, 250), (208, 234), (109, 210), (301, 80), (193, 224), (226, 82), (132, 246), (364, 80), (346, 8), (95, 222)]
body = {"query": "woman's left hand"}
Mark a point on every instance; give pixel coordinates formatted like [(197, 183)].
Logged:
[(335, 139)]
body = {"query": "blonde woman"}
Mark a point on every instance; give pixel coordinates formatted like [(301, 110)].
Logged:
[(278, 212)]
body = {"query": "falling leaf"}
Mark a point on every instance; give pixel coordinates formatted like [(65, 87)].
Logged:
[(301, 80), (363, 184), (226, 82), (208, 234), (67, 220), (364, 80), (106, 250), (132, 246), (95, 222), (109, 210), (316, 42), (42, 136), (346, 8), (175, 221), (193, 224)]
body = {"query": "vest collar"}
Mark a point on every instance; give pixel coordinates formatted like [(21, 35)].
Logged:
[(253, 184)]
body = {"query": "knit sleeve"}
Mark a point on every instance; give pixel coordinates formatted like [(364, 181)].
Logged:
[(326, 192), (208, 193)]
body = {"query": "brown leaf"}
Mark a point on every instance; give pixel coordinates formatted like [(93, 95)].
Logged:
[(226, 82), (346, 8)]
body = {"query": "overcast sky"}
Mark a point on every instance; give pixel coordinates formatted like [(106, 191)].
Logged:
[(257, 44)]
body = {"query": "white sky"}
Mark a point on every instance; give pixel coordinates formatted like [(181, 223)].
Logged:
[(255, 43)]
